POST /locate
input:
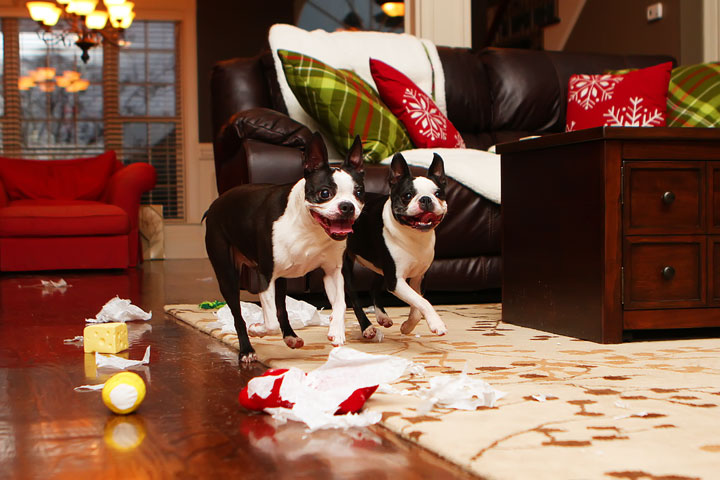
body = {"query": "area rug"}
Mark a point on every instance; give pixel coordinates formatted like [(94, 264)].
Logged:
[(573, 410)]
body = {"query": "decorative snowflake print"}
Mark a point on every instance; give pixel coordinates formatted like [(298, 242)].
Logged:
[(587, 90), (570, 127), (459, 142), (427, 117), (633, 115)]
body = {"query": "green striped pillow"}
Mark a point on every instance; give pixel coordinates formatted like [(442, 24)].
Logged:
[(344, 105), (694, 96)]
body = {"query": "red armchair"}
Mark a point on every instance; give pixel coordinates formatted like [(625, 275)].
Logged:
[(70, 214)]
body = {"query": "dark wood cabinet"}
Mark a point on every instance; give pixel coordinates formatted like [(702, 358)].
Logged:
[(612, 229)]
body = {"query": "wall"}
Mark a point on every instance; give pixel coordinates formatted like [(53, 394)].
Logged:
[(620, 26), (227, 29)]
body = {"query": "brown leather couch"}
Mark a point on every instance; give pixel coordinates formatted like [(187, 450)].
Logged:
[(493, 96)]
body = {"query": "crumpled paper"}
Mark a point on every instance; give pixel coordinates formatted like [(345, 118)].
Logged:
[(460, 392), (119, 310), (301, 314), (317, 395), (119, 363)]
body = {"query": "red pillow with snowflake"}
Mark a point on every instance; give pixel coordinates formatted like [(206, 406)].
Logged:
[(425, 123), (635, 99)]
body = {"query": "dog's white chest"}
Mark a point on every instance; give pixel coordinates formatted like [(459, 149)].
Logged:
[(300, 245), (413, 251)]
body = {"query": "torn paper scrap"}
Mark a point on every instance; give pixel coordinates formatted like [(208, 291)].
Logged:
[(50, 286), (119, 310), (78, 339), (301, 314), (458, 391), (113, 361), (539, 397), (316, 396), (89, 388)]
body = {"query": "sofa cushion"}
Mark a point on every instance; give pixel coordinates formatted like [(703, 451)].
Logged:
[(425, 123), (635, 99), (53, 218), (72, 179), (694, 96), (344, 106)]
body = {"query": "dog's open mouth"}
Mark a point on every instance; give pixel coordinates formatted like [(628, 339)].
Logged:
[(424, 220), (338, 228)]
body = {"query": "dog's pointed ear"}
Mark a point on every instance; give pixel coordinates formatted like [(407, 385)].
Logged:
[(316, 155), (437, 170), (355, 160), (398, 168)]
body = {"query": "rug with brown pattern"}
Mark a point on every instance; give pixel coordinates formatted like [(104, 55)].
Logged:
[(574, 409)]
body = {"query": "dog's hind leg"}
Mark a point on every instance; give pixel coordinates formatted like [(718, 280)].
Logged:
[(269, 310), (376, 289), (289, 336), (368, 331), (228, 277)]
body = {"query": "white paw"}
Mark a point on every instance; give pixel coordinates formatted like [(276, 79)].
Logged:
[(438, 327), (336, 334)]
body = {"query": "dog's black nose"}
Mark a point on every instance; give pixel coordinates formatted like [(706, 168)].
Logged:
[(346, 208), (425, 202)]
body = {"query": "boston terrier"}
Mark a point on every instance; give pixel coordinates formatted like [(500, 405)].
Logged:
[(395, 238), (286, 231)]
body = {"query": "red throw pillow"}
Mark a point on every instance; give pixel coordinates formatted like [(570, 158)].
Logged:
[(426, 124), (635, 99)]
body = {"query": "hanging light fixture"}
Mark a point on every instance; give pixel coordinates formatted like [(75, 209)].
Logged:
[(78, 21)]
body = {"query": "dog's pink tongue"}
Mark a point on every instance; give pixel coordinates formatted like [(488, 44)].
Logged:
[(338, 228)]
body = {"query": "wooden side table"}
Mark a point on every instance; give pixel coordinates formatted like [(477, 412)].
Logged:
[(612, 229)]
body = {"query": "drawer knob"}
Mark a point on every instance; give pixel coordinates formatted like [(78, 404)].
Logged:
[(668, 273), (668, 198)]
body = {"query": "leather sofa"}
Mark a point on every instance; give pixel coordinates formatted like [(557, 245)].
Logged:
[(493, 96)]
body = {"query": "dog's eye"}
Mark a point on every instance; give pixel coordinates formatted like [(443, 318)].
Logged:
[(359, 191), (324, 194), (438, 194), (407, 197)]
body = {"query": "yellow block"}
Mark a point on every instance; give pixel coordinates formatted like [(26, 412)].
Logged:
[(106, 337)]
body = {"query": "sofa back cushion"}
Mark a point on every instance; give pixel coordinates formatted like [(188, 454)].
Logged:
[(71, 179)]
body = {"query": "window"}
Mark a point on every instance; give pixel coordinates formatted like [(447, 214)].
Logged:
[(124, 99)]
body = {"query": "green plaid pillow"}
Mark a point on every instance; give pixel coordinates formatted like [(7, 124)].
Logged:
[(694, 96), (344, 105)]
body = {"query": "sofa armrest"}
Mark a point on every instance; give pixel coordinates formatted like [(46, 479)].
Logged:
[(259, 145), (127, 185)]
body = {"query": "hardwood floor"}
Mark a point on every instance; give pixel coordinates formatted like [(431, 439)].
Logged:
[(190, 424)]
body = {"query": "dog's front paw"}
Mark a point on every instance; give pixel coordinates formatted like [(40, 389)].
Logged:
[(336, 334), (257, 330), (247, 358), (294, 342), (438, 329), (383, 319)]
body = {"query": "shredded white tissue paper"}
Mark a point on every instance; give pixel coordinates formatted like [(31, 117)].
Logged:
[(89, 388), (113, 361), (458, 391), (317, 395), (301, 314), (78, 339), (119, 310)]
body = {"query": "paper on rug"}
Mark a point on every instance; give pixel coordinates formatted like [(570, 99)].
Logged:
[(573, 409)]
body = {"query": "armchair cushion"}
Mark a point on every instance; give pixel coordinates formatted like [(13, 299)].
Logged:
[(53, 218), (345, 106), (76, 179)]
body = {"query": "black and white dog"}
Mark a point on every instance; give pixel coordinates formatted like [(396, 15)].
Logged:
[(395, 237), (286, 231)]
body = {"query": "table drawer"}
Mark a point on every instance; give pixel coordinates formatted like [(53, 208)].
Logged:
[(665, 272), (664, 197)]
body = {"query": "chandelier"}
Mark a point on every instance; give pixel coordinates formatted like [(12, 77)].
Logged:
[(78, 22)]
